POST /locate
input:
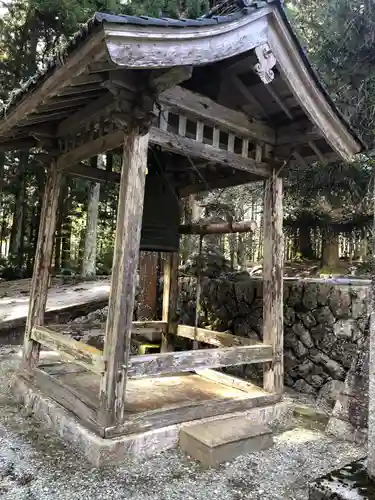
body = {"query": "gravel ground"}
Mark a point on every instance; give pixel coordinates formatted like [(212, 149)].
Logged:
[(35, 465)]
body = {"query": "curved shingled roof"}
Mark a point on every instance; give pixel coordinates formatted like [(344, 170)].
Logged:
[(227, 12)]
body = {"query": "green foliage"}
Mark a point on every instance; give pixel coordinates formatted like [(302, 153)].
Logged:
[(340, 42), (340, 38)]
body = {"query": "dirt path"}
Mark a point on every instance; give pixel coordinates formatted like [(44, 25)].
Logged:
[(14, 298)]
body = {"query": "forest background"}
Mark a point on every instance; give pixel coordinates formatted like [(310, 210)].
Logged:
[(328, 208)]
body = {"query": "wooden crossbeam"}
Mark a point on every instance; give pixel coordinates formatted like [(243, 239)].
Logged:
[(92, 148), (217, 339), (205, 109), (22, 143), (70, 350), (93, 174), (184, 145), (157, 326), (170, 142), (185, 361)]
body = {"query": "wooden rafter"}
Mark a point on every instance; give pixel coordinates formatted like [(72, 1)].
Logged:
[(93, 49)]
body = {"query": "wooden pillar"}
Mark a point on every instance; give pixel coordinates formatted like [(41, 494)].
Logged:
[(125, 261), (170, 298), (42, 265), (273, 261)]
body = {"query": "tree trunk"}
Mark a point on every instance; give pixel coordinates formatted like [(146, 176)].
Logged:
[(305, 243), (16, 231), (232, 241), (191, 214), (2, 163), (89, 255), (240, 251), (330, 250), (33, 236), (363, 246), (66, 231)]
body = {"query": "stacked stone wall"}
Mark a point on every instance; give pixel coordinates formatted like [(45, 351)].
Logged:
[(325, 324)]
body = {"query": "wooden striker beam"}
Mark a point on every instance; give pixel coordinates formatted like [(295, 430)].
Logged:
[(124, 269), (42, 264), (273, 260)]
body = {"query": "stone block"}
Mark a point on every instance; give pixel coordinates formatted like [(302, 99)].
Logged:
[(217, 442), (330, 391), (308, 319), (309, 299), (324, 316), (340, 303), (303, 334)]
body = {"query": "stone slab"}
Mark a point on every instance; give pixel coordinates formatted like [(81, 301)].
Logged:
[(349, 483), (100, 451), (213, 443)]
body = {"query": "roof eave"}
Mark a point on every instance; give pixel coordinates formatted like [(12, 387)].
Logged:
[(297, 71), (154, 47)]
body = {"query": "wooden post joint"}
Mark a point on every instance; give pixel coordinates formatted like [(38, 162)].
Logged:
[(277, 357)]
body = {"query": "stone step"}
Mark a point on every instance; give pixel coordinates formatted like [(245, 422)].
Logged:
[(213, 443)]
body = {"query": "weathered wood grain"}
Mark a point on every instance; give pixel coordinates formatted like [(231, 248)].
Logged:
[(158, 326), (228, 380), (130, 47), (182, 361), (122, 295), (80, 353), (81, 404), (217, 339), (155, 419), (273, 261), (42, 265)]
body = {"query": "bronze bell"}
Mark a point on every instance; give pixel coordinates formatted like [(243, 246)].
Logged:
[(161, 214)]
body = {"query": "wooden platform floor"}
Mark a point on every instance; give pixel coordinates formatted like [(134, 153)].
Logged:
[(158, 393)]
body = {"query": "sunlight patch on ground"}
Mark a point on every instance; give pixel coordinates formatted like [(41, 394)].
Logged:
[(299, 435)]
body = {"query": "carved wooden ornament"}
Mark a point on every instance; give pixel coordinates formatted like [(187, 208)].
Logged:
[(266, 62)]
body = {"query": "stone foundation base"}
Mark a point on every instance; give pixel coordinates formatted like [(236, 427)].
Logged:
[(349, 483), (101, 451)]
